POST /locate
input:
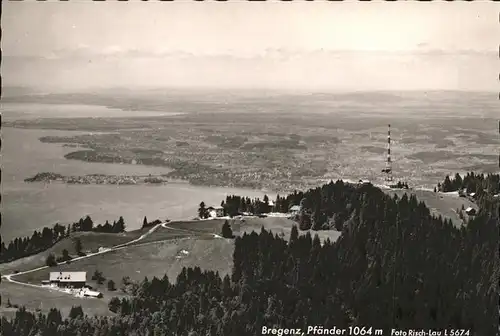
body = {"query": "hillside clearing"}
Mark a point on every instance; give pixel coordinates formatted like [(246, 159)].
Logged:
[(278, 225), (91, 241), (444, 204), (204, 248), (155, 259), (44, 299)]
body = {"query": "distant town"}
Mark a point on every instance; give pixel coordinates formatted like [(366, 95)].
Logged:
[(97, 179)]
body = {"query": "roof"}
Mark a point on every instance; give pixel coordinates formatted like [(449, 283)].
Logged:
[(91, 293), (68, 276), (215, 208), (295, 208), (470, 209)]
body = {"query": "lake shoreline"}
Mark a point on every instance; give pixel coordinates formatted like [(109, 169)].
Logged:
[(32, 206)]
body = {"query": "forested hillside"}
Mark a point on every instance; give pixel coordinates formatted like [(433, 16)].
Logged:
[(489, 183), (485, 187), (394, 266), (40, 241)]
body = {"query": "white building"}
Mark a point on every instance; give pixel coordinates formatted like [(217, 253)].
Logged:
[(216, 211), (68, 279), (470, 211), (294, 210), (90, 293), (364, 182)]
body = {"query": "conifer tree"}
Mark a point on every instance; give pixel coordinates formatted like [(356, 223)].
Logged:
[(76, 312), (227, 232), (202, 211), (78, 246), (111, 285), (51, 260)]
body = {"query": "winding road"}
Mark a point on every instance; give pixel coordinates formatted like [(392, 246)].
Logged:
[(8, 277), (164, 225)]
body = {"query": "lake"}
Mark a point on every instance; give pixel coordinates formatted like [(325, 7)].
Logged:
[(23, 111), (30, 206)]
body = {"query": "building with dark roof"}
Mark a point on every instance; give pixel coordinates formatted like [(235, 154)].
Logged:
[(68, 279)]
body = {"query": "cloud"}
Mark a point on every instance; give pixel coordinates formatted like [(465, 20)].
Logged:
[(281, 54), (269, 68)]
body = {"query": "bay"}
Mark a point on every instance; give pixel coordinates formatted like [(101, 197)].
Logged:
[(30, 206)]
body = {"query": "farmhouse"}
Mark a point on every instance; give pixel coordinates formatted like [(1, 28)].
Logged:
[(68, 279), (294, 210), (216, 211), (470, 211)]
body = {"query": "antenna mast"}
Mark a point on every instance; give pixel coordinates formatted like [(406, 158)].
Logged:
[(388, 164)]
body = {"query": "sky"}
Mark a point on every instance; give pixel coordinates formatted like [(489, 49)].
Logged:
[(338, 46)]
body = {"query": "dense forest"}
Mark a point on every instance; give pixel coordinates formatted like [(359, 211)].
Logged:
[(41, 241), (394, 266)]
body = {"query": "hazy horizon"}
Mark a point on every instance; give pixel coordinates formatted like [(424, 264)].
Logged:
[(302, 47)]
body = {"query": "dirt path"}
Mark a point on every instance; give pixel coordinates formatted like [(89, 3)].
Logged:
[(8, 277), (164, 225)]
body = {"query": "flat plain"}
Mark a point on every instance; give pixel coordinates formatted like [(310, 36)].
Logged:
[(282, 143)]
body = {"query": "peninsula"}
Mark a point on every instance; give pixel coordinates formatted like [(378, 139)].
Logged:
[(98, 179)]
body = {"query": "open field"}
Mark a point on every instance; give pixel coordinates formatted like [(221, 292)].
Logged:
[(202, 226), (439, 203), (249, 141), (44, 299), (162, 252), (149, 260), (91, 241), (162, 234), (278, 225)]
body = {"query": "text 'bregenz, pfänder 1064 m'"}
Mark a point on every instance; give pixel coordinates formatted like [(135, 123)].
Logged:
[(320, 330)]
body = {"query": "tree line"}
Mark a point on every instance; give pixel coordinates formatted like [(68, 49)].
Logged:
[(87, 224), (322, 208), (477, 183), (40, 241), (485, 187), (394, 266), (235, 205)]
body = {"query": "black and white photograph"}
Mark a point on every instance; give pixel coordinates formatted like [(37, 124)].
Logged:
[(240, 168)]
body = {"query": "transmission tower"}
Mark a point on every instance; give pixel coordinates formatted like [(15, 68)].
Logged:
[(388, 164)]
